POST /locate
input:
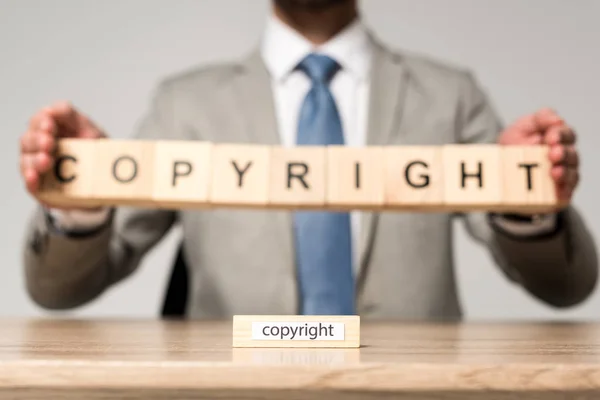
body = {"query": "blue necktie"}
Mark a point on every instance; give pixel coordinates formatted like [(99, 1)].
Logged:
[(323, 239)]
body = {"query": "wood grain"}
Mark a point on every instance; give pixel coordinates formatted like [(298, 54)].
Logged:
[(178, 360)]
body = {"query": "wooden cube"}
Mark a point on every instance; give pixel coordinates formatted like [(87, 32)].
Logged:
[(240, 175), (70, 181), (355, 177), (472, 177), (528, 185), (182, 171), (124, 172), (413, 177), (298, 177)]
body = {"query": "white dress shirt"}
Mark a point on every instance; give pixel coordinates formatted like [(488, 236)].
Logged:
[(282, 49)]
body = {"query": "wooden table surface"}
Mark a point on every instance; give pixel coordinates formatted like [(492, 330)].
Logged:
[(184, 360)]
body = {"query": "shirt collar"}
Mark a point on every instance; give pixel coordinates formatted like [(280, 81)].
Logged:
[(283, 48)]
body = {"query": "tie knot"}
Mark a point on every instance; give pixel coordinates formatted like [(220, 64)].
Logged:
[(319, 68)]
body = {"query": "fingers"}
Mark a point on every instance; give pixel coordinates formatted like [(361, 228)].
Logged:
[(533, 139), (565, 170), (566, 180), (88, 129), (565, 159), (32, 180), (61, 119), (32, 166), (548, 128), (37, 163), (526, 126), (564, 175), (43, 122), (546, 118), (75, 123), (37, 141), (560, 135), (564, 155), (538, 123), (37, 145), (546, 124)]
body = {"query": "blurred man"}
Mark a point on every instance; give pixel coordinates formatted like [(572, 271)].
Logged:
[(319, 77)]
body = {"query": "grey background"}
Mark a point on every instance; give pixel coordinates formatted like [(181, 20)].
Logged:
[(106, 57)]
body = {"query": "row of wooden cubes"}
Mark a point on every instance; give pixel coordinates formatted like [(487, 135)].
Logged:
[(183, 174)]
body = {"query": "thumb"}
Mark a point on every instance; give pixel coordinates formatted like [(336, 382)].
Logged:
[(535, 124), (72, 121), (88, 129), (527, 126), (546, 118)]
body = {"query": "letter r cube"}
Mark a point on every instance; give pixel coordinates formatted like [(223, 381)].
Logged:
[(297, 177)]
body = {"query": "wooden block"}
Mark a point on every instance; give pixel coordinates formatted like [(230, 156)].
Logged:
[(124, 172), (70, 181), (297, 177), (472, 177), (355, 177), (296, 331), (528, 184), (179, 174), (240, 175), (413, 177), (182, 171)]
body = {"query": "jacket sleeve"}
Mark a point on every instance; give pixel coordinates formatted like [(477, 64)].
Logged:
[(560, 266), (66, 269)]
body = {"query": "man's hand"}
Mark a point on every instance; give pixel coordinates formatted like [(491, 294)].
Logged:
[(38, 143), (546, 127)]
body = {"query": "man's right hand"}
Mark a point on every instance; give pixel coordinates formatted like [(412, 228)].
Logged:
[(61, 120)]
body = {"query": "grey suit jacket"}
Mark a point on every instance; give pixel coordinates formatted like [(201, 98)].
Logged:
[(242, 261)]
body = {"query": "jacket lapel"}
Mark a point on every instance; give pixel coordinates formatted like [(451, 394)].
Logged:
[(386, 102)]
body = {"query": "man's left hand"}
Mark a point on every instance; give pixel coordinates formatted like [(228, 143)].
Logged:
[(546, 127)]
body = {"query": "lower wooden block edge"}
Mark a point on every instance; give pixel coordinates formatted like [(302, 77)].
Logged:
[(296, 346)]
